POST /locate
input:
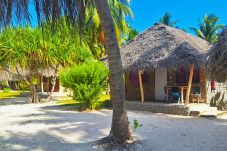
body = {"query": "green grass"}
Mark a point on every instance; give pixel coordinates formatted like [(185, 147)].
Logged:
[(70, 103), (6, 95), (63, 102), (103, 97)]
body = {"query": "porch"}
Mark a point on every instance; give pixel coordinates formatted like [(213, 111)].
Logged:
[(158, 85), (193, 109)]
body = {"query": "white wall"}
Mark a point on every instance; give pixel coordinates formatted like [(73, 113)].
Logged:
[(160, 83)]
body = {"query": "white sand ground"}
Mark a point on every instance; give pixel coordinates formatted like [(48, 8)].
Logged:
[(42, 127)]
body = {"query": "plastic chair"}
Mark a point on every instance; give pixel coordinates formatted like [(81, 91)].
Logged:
[(175, 94)]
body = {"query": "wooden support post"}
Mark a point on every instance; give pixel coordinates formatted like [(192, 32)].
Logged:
[(189, 84), (41, 84), (182, 94), (141, 85)]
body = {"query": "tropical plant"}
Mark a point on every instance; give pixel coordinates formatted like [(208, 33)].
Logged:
[(95, 37), (87, 81), (74, 10), (20, 50), (34, 49), (132, 33), (166, 20), (65, 46), (208, 28)]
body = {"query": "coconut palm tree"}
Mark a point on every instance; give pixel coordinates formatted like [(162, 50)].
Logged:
[(120, 127), (75, 12), (166, 20), (208, 28), (95, 36), (132, 33)]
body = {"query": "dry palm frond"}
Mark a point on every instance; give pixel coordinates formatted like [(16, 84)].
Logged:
[(50, 10), (217, 59)]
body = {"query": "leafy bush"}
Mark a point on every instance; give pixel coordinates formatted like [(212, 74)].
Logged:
[(87, 81), (6, 90)]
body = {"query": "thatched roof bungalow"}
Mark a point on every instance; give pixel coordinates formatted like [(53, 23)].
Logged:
[(165, 56), (4, 76), (217, 60), (163, 47), (43, 78)]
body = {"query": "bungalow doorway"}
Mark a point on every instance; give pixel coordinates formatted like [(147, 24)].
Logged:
[(160, 83)]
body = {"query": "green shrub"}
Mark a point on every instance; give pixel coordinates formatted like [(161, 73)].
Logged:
[(6, 90), (87, 81)]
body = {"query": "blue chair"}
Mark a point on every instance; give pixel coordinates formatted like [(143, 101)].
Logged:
[(175, 94)]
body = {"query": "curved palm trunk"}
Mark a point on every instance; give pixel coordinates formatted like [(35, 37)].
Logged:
[(120, 125)]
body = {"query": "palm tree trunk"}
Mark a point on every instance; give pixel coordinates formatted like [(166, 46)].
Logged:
[(41, 84), (120, 125)]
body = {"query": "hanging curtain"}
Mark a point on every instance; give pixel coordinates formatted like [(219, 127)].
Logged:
[(181, 75), (196, 78), (145, 77), (134, 79)]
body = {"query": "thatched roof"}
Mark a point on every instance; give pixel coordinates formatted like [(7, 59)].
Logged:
[(12, 75), (163, 47), (4, 75), (217, 60)]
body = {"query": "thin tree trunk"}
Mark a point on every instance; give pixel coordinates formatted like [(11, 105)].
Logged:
[(52, 88), (7, 83), (53, 82), (120, 125), (41, 84), (34, 95)]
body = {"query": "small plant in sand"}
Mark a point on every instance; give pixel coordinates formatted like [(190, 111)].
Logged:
[(136, 124)]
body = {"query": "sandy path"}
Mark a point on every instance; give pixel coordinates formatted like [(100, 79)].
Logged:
[(40, 127)]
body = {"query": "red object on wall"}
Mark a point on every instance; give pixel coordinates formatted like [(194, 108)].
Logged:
[(213, 85)]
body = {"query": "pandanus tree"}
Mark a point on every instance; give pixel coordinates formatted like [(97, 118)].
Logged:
[(208, 28), (21, 49), (33, 50), (64, 45), (75, 12)]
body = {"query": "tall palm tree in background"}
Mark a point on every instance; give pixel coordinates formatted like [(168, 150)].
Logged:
[(208, 28), (74, 10), (94, 34), (166, 20), (132, 33)]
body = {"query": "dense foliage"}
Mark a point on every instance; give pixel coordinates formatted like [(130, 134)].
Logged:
[(27, 51), (87, 81), (120, 10)]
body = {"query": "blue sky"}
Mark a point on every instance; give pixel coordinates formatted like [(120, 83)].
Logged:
[(188, 12)]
